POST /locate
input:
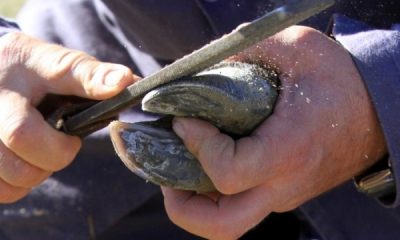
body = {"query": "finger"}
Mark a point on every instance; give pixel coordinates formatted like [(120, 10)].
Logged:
[(10, 194), (64, 71), (17, 172), (76, 73), (24, 131), (223, 159), (228, 218), (212, 195)]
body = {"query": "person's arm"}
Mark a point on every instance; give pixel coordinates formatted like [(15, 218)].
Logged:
[(30, 149), (324, 130), (376, 53)]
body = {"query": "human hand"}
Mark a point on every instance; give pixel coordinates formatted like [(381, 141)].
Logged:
[(323, 131), (30, 149)]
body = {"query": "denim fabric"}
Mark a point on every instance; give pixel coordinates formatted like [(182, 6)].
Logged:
[(7, 26), (376, 53), (98, 190), (343, 213)]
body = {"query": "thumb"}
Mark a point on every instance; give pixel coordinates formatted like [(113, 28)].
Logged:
[(222, 158), (64, 71)]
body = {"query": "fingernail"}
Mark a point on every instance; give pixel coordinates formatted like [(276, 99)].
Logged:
[(114, 78), (178, 128)]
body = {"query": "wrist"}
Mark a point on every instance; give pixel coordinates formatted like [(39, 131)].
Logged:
[(376, 53)]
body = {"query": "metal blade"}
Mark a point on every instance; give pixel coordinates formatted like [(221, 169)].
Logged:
[(218, 50)]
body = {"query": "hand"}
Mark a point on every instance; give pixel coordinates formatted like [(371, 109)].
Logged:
[(30, 150), (323, 131)]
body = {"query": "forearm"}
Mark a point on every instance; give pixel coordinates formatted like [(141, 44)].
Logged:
[(377, 56)]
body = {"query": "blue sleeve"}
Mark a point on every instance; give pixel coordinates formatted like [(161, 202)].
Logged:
[(376, 54), (7, 26)]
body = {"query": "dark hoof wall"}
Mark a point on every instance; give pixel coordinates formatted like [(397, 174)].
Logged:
[(153, 152), (235, 97)]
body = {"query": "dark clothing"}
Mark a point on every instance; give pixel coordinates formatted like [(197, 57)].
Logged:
[(97, 191), (169, 30)]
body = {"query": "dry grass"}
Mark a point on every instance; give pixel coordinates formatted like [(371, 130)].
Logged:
[(9, 8)]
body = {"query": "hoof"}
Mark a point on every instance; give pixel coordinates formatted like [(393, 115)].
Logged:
[(235, 97)]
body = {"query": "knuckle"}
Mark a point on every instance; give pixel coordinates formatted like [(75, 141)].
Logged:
[(222, 168), (64, 64), (226, 183), (85, 66), (301, 36), (15, 171), (28, 176), (301, 31), (308, 39), (15, 132), (66, 156), (61, 161), (10, 49), (67, 59), (225, 187), (18, 136)]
